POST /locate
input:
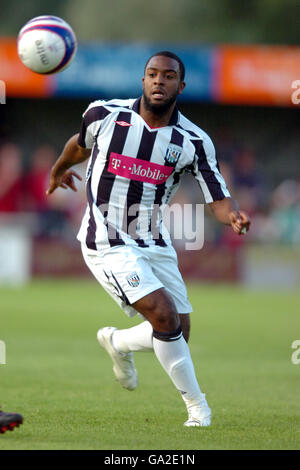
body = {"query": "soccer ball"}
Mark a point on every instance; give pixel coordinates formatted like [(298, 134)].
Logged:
[(46, 44)]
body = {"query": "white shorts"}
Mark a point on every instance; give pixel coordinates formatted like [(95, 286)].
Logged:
[(128, 273)]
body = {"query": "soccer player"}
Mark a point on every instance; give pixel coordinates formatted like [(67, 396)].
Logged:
[(8, 421), (138, 150)]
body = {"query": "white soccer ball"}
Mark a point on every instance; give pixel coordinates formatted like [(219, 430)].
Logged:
[(47, 44)]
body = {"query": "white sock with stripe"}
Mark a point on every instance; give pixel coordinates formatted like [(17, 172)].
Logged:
[(174, 355)]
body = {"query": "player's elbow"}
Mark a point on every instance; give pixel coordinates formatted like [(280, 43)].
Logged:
[(81, 153)]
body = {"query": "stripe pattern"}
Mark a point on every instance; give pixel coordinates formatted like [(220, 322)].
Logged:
[(168, 336), (124, 207)]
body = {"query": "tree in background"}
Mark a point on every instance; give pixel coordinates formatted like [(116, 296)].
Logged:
[(205, 21)]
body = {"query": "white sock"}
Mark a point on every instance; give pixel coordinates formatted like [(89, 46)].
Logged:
[(137, 338), (174, 356)]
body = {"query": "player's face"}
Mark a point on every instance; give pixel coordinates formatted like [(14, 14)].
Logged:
[(162, 83)]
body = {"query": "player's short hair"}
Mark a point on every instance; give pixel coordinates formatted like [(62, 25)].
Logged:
[(171, 55)]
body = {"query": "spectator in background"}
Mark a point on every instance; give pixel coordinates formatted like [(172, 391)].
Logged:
[(50, 220), (55, 216), (37, 178), (245, 169), (226, 146), (285, 211), (11, 181), (247, 181)]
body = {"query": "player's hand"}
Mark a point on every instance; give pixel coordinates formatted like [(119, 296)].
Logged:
[(240, 222), (66, 180)]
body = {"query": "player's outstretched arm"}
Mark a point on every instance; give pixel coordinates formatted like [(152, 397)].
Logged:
[(227, 211), (71, 155)]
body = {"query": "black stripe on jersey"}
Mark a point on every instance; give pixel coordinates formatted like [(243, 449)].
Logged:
[(97, 113), (208, 174), (153, 225), (146, 145), (117, 106), (193, 134), (91, 230), (107, 179), (177, 175), (116, 145), (177, 139), (135, 188)]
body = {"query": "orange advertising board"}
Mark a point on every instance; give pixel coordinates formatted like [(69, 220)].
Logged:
[(232, 74), (257, 74), (20, 81)]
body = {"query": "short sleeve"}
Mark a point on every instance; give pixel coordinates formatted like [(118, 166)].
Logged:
[(91, 122), (206, 170)]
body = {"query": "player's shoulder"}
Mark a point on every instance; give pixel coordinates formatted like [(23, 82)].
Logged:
[(192, 131), (111, 105)]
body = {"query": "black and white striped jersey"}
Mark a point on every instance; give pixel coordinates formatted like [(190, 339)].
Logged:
[(134, 170)]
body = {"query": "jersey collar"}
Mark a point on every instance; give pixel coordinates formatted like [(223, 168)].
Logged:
[(174, 117)]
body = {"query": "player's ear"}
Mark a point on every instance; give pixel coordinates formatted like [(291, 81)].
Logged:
[(181, 87)]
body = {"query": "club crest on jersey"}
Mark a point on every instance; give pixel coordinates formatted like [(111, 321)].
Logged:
[(133, 279), (173, 153)]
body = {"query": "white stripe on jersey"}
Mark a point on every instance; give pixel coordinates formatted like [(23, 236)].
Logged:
[(134, 169)]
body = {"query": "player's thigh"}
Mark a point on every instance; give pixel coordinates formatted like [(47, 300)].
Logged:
[(165, 266), (124, 273)]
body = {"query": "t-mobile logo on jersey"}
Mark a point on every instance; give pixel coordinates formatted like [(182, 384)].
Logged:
[(2, 352), (115, 162), (138, 170)]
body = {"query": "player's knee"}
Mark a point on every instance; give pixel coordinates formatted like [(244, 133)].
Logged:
[(165, 320), (162, 315), (159, 309)]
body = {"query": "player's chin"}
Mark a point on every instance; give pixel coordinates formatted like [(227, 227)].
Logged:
[(159, 103)]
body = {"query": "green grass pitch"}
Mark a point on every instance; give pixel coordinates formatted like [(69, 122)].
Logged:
[(62, 382)]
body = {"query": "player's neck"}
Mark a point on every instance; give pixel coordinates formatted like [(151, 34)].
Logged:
[(153, 119)]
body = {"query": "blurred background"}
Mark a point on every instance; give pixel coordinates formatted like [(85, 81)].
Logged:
[(242, 59)]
